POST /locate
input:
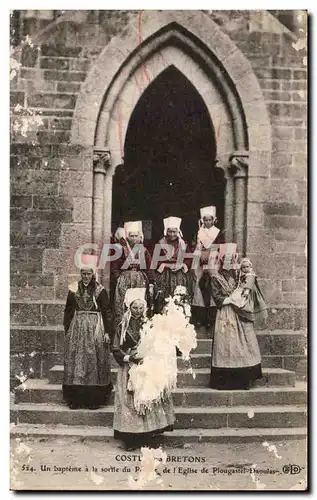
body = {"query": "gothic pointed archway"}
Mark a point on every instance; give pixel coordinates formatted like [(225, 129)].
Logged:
[(220, 75), (169, 159)]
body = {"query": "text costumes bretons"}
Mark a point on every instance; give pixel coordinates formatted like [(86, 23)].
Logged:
[(222, 297)]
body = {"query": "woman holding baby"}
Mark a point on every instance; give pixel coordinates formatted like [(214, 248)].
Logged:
[(236, 359)]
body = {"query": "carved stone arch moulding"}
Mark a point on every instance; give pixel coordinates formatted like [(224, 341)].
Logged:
[(195, 45), (201, 36)]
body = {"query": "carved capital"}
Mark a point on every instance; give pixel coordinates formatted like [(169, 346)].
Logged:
[(239, 164), (101, 160)]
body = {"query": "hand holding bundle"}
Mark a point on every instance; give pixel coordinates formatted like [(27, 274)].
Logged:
[(157, 374)]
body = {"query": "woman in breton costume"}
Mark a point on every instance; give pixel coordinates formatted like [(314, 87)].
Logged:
[(131, 425), (203, 306), (120, 236), (87, 375), (132, 269), (173, 271), (236, 359)]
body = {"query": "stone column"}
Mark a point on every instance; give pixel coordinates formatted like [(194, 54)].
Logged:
[(101, 163), (239, 167), (222, 162)]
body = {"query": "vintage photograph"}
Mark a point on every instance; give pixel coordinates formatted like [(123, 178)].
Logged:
[(158, 247)]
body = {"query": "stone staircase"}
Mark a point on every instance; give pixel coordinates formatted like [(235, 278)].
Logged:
[(275, 408)]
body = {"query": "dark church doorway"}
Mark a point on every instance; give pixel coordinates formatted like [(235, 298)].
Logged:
[(169, 160)]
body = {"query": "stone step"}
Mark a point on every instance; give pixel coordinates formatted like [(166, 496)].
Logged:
[(40, 391), (50, 312), (270, 343), (42, 362), (176, 438), (50, 338), (42, 365), (201, 360), (206, 333), (272, 377), (186, 417)]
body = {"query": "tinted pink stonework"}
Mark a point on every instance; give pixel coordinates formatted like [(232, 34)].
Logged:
[(53, 190)]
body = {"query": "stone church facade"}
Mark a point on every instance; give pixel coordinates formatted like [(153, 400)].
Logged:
[(84, 73)]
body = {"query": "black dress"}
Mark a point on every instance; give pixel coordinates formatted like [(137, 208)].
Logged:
[(87, 372), (236, 358)]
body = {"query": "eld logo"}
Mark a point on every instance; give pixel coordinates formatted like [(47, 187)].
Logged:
[(291, 469)]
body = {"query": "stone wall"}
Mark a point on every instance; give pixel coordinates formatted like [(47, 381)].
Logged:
[(279, 224), (52, 180)]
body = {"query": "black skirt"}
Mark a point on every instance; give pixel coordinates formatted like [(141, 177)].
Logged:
[(138, 439), (234, 378)]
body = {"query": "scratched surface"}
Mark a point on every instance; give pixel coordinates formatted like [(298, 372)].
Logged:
[(110, 457), (27, 456)]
